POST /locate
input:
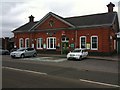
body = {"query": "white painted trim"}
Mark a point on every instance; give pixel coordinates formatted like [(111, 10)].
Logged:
[(46, 17), (25, 42), (97, 43), (80, 41), (62, 20), (114, 19), (49, 42), (40, 43), (20, 42)]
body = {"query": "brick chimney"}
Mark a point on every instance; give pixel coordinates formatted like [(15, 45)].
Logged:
[(110, 7), (31, 18)]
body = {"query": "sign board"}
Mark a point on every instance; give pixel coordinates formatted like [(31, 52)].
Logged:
[(72, 45), (88, 45), (44, 45), (32, 45)]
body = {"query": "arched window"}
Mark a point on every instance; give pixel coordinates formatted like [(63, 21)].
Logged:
[(21, 42), (65, 39), (27, 42), (39, 43), (83, 42)]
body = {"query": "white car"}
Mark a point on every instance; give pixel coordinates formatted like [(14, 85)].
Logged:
[(24, 52), (77, 54)]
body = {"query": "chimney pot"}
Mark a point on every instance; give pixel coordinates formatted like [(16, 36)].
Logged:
[(31, 18), (110, 7)]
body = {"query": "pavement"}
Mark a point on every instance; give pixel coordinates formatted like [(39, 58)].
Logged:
[(108, 58)]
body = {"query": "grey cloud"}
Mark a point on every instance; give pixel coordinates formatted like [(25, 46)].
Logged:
[(9, 17), (8, 24), (59, 7), (8, 6)]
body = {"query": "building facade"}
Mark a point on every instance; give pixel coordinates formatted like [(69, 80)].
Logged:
[(6, 43), (118, 42), (55, 34)]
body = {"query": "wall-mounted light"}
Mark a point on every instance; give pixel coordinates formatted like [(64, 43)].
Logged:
[(87, 34), (111, 37), (72, 39)]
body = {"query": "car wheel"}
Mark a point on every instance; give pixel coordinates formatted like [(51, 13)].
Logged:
[(35, 54), (80, 58), (68, 58), (22, 55), (12, 57), (7, 53)]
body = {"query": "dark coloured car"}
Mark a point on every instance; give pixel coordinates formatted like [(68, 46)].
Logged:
[(4, 52)]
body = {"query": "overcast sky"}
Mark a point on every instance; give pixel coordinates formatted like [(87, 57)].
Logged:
[(14, 13)]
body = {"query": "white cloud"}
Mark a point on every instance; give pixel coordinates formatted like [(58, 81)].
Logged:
[(15, 12), (119, 12)]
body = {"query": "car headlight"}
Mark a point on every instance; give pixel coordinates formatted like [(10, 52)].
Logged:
[(16, 53), (77, 55)]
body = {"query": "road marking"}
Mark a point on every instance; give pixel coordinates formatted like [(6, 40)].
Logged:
[(106, 84), (83, 80), (46, 59), (16, 69)]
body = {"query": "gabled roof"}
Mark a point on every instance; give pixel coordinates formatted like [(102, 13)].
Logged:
[(93, 20), (47, 16), (25, 27)]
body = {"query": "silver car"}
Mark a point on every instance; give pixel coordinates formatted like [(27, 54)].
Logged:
[(24, 52)]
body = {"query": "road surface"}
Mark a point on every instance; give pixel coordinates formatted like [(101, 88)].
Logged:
[(28, 73)]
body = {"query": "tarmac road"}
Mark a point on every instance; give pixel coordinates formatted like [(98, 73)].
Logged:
[(17, 79), (22, 73)]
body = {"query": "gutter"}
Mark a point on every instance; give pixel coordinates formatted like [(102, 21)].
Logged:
[(71, 28)]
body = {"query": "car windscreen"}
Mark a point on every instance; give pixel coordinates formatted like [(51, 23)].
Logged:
[(21, 49), (76, 51)]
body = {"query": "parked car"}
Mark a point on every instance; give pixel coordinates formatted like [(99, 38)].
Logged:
[(77, 54), (24, 52), (4, 52)]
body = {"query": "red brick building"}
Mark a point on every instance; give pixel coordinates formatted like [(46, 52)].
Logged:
[(55, 34), (7, 43)]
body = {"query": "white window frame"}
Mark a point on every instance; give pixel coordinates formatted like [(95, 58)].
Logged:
[(92, 43), (40, 43), (54, 42), (21, 42), (80, 41), (26, 42)]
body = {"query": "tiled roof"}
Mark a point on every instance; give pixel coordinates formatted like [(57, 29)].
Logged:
[(95, 19), (25, 27), (79, 21)]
